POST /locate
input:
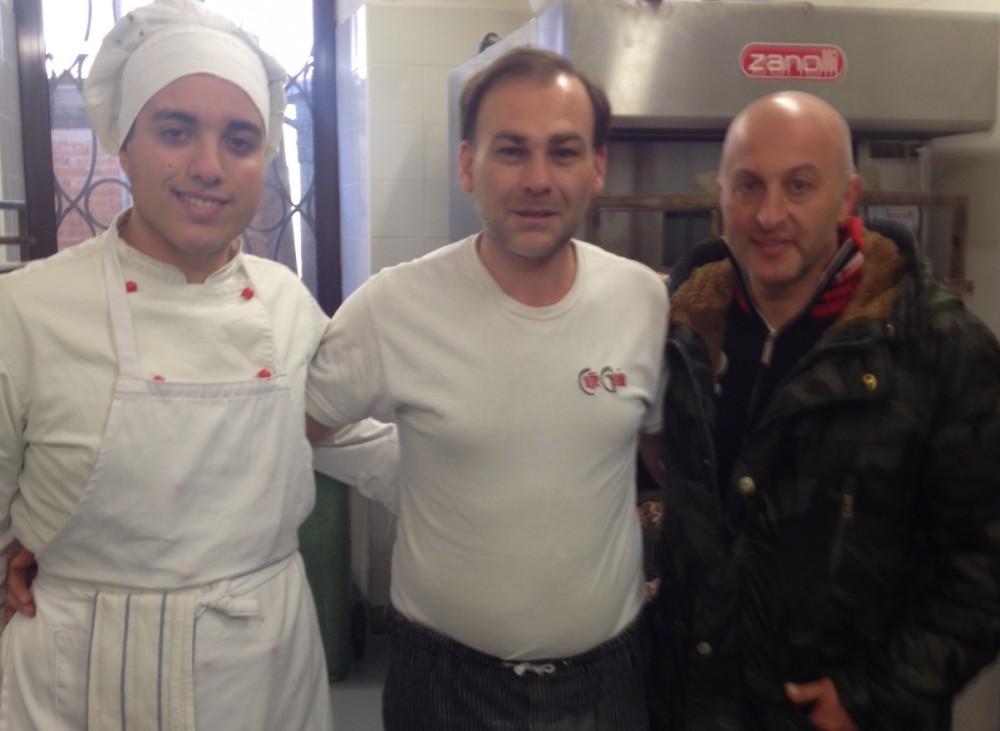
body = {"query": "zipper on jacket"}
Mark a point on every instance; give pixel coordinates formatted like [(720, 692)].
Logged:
[(767, 352), (847, 249)]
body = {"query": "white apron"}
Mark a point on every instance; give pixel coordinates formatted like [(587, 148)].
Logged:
[(174, 598)]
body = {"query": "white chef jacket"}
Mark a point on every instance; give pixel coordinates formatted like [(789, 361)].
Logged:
[(57, 365)]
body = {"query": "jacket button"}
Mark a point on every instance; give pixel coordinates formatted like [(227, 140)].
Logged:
[(870, 381), (247, 293), (746, 485), (703, 648)]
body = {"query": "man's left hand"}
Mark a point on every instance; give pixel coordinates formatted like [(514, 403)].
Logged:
[(826, 712)]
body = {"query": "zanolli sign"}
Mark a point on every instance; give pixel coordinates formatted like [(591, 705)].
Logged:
[(820, 62)]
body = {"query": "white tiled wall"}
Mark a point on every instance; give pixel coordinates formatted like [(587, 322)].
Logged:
[(11, 160), (394, 122), (353, 145), (411, 51)]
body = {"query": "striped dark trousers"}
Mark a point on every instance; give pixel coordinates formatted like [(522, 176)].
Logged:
[(437, 684)]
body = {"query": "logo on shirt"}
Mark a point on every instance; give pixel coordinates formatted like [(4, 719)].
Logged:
[(610, 379)]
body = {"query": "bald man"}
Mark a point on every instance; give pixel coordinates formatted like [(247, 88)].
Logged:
[(831, 551)]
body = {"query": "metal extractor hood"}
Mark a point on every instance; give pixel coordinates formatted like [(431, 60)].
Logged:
[(690, 66)]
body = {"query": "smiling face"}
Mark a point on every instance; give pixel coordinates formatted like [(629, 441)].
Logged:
[(785, 185), (532, 167), (195, 158)]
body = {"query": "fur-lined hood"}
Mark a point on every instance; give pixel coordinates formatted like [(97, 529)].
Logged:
[(707, 278)]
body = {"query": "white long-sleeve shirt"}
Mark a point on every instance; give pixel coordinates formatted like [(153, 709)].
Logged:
[(57, 366)]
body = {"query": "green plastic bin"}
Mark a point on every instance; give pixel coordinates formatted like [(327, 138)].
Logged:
[(325, 542)]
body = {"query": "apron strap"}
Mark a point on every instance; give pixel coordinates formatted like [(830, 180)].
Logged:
[(123, 333)]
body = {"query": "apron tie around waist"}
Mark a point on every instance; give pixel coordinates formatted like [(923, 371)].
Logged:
[(229, 605)]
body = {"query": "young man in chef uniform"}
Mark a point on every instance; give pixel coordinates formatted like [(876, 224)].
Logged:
[(153, 455)]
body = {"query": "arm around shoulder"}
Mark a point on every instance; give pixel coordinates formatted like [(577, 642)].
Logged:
[(345, 383), (366, 456)]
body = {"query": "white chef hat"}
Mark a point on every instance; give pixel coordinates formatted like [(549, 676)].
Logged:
[(165, 40)]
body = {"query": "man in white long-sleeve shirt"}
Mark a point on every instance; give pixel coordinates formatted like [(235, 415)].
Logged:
[(519, 365), (153, 453)]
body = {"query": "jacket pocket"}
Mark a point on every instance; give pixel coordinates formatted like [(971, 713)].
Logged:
[(844, 522)]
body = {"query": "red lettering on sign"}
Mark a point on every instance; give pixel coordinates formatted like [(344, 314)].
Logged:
[(821, 62)]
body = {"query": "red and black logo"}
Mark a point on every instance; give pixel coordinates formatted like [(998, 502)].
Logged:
[(610, 379)]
